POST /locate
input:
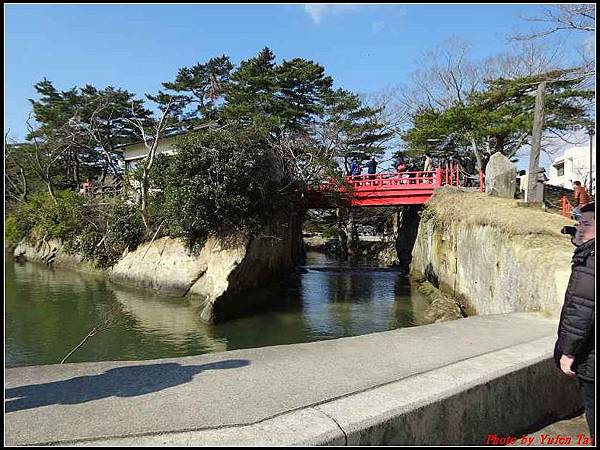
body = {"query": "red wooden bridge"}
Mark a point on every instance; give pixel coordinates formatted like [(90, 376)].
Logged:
[(385, 189)]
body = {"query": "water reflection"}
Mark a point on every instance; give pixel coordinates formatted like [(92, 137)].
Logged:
[(360, 298), (175, 320), (48, 312)]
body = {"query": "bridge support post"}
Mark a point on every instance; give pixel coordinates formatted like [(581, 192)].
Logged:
[(408, 225), (438, 176)]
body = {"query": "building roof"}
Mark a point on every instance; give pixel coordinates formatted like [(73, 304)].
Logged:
[(140, 141), (169, 134)]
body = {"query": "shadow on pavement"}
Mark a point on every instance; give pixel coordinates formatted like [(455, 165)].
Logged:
[(119, 382)]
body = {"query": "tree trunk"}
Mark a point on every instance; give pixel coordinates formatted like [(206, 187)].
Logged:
[(104, 171), (341, 224), (68, 167), (24, 181), (108, 163), (144, 195), (535, 191), (51, 189), (500, 144), (144, 190), (76, 171), (477, 155)]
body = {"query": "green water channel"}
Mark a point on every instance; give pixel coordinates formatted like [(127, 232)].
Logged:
[(49, 311)]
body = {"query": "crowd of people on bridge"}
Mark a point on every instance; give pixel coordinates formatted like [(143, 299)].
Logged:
[(408, 168), (400, 165)]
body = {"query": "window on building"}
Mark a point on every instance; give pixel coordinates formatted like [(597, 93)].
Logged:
[(560, 169)]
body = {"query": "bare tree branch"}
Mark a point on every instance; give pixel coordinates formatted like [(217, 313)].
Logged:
[(564, 17)]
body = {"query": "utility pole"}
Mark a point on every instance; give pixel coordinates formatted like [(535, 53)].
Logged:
[(591, 132), (534, 193)]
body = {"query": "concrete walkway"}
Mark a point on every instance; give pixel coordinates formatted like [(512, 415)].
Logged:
[(445, 383)]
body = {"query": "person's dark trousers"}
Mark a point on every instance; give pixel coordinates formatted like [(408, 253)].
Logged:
[(588, 390)]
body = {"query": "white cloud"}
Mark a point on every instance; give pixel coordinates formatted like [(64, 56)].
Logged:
[(376, 27), (316, 11)]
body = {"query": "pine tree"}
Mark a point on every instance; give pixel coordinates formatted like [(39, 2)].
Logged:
[(200, 90), (352, 128), (500, 118)]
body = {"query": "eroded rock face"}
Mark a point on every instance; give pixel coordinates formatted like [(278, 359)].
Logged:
[(51, 253), (500, 176), (270, 255), (165, 265), (220, 272), (497, 273)]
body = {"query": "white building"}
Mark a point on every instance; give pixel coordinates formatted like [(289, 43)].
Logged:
[(134, 153), (574, 165)]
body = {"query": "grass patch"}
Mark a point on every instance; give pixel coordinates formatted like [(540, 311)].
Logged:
[(451, 206)]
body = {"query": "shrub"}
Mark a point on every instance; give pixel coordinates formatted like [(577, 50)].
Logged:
[(65, 218), (126, 229), (219, 182), (331, 232), (109, 232), (29, 215), (99, 231), (13, 231)]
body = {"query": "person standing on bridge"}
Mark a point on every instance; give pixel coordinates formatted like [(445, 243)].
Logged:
[(428, 167), (354, 167), (428, 163), (400, 163), (574, 351), (372, 167)]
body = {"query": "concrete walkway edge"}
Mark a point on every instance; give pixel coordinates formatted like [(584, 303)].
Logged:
[(501, 392)]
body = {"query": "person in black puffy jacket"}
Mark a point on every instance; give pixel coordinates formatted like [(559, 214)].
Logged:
[(575, 352)]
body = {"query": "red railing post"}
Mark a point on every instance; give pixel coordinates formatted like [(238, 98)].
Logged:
[(481, 181), (438, 176), (565, 206), (457, 174), (446, 169)]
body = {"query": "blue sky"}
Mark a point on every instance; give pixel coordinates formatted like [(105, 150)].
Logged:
[(365, 48)]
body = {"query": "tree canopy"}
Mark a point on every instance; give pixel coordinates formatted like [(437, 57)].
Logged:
[(500, 117)]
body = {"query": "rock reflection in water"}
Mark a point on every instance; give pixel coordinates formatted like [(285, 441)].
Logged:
[(176, 320)]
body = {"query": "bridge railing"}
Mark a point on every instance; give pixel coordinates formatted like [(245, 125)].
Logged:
[(451, 174), (432, 178)]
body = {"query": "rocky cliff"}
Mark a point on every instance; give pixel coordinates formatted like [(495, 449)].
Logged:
[(493, 254)]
